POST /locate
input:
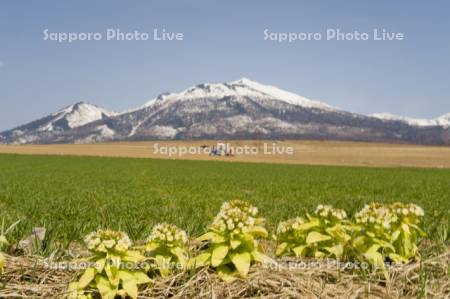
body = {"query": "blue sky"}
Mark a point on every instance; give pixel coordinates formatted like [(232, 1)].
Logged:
[(223, 41)]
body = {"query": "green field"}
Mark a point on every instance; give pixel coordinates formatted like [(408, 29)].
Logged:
[(72, 196)]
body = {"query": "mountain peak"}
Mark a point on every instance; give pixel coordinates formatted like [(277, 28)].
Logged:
[(232, 110), (244, 81), (242, 87), (74, 116)]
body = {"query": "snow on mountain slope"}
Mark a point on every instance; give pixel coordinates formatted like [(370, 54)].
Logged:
[(241, 109), (63, 120), (239, 88), (443, 121), (76, 115)]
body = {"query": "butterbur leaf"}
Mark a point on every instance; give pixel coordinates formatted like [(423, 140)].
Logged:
[(234, 243), (261, 258), (395, 235), (211, 236), (308, 225), (281, 248), (338, 233), (201, 260), (72, 290), (319, 254), (359, 242), (419, 230), (180, 254), (163, 264), (151, 246), (298, 251), (337, 250), (405, 229), (315, 237), (242, 262), (100, 265), (131, 288), (257, 231), (226, 274), (106, 289), (113, 274), (384, 244), (141, 278), (218, 254), (133, 257), (113, 259), (398, 258), (374, 257), (86, 278)]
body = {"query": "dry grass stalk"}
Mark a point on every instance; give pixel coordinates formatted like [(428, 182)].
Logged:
[(27, 277)]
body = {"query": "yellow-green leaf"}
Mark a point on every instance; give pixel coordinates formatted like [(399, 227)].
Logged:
[(319, 254), (131, 288), (308, 225), (141, 277), (395, 235), (398, 258), (200, 261), (374, 257), (152, 246), (281, 248), (86, 278), (163, 264), (315, 237), (218, 254), (137, 276), (113, 274), (299, 250), (106, 290), (337, 250), (211, 236), (262, 258), (100, 265), (180, 254), (133, 257), (242, 262), (235, 243), (257, 231), (226, 274)]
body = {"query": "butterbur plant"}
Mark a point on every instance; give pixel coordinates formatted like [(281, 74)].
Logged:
[(233, 241), (388, 231), (115, 271), (166, 245), (4, 244), (325, 234)]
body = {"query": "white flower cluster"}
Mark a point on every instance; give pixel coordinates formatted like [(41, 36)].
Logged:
[(386, 215), (289, 225), (407, 210), (242, 205), (235, 216), (328, 211), (167, 233), (107, 240)]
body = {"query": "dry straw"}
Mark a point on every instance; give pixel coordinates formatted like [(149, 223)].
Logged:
[(27, 277)]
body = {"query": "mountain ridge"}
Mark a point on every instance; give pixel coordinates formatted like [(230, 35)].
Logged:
[(241, 109)]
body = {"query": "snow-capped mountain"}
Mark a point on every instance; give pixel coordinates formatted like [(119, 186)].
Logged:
[(56, 123), (241, 88), (443, 121), (241, 109)]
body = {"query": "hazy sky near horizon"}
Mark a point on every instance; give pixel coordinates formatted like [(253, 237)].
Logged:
[(223, 41)]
